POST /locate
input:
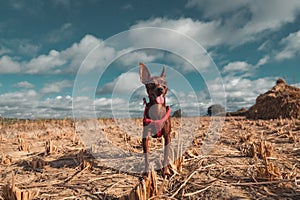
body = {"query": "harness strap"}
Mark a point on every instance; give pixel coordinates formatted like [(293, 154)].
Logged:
[(157, 123)]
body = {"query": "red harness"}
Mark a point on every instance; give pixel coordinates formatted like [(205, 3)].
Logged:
[(157, 123)]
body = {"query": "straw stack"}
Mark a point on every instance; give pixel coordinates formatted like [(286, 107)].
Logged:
[(282, 101)]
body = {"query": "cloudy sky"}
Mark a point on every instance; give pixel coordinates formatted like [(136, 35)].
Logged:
[(59, 53)]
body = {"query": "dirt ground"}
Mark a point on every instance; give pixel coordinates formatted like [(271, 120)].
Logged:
[(252, 159)]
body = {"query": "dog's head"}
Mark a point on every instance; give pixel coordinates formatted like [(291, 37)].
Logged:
[(156, 85)]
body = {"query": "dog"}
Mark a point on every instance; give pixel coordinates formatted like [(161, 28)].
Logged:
[(156, 121)]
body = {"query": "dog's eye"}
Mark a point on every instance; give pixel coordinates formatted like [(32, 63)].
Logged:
[(151, 85)]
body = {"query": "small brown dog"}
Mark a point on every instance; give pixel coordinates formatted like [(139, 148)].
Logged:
[(156, 120)]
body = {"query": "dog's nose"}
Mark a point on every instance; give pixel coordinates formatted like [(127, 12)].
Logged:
[(160, 90)]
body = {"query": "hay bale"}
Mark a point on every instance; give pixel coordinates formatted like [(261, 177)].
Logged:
[(282, 101)]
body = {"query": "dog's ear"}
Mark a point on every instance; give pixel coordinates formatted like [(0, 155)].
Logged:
[(144, 73), (163, 73)]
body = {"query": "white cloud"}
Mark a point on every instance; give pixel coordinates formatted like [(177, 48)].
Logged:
[(263, 61), (167, 36), (134, 57), (230, 22), (45, 63), (239, 66), (108, 102), (60, 34), (24, 84), (242, 68), (183, 65), (20, 47), (17, 96), (291, 46), (69, 60), (204, 32), (29, 104), (265, 46), (244, 19), (4, 50), (271, 14), (240, 92), (56, 87), (76, 54), (8, 65), (259, 15), (296, 85), (65, 61), (213, 8), (13, 103), (125, 83), (190, 103)]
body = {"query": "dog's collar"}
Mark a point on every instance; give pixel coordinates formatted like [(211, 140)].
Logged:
[(157, 123)]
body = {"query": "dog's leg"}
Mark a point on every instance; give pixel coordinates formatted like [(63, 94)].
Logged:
[(146, 153), (167, 137), (166, 155)]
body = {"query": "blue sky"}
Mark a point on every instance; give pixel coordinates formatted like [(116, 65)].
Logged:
[(43, 45)]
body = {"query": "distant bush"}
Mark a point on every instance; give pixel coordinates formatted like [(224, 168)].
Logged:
[(215, 109), (179, 113)]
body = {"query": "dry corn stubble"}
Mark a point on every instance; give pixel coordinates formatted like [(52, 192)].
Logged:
[(223, 174)]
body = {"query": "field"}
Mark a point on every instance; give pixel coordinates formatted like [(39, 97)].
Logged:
[(252, 159)]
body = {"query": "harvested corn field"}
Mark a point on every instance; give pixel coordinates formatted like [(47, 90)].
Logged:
[(252, 159)]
